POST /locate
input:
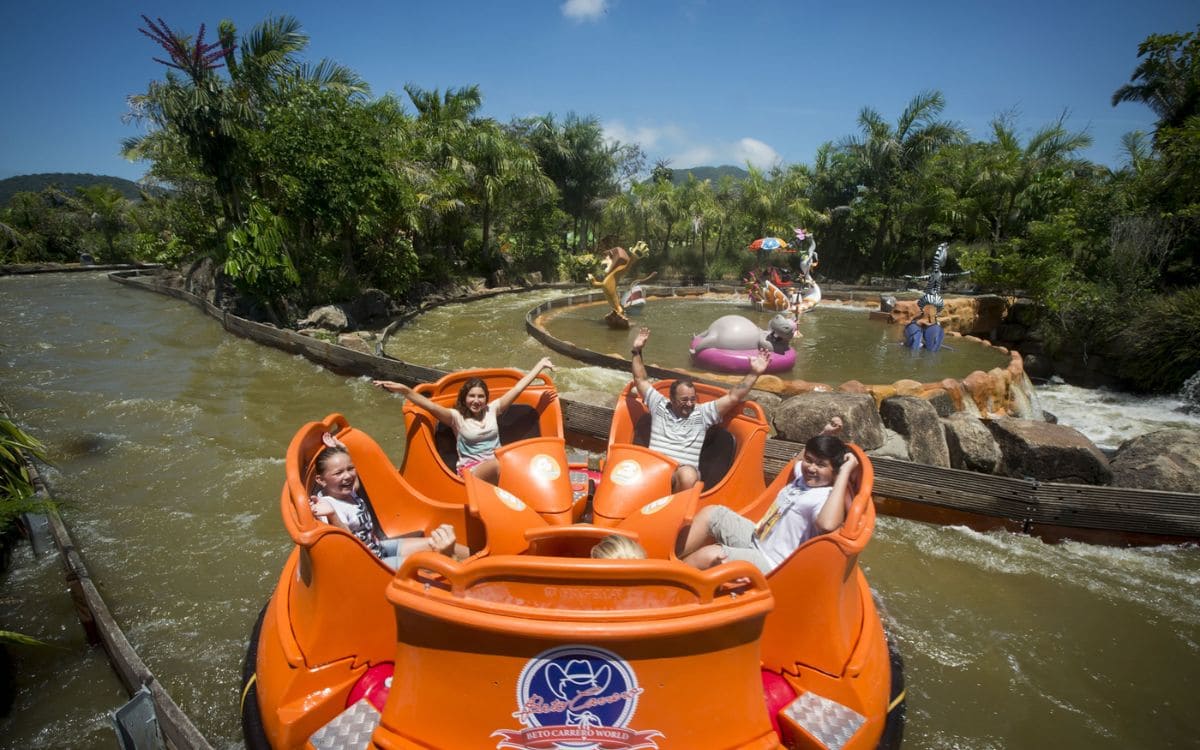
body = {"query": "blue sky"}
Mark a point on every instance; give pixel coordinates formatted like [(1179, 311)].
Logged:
[(696, 82)]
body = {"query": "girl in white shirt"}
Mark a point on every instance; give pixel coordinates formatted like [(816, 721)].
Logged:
[(337, 502)]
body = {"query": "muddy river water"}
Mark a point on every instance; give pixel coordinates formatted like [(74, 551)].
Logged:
[(167, 437)]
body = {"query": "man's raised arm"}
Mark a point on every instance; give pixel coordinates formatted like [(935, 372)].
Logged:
[(737, 394), (641, 379)]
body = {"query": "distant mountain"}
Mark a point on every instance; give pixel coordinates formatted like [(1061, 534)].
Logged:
[(65, 181), (708, 173)]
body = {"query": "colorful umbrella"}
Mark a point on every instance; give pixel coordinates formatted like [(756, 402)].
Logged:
[(769, 243)]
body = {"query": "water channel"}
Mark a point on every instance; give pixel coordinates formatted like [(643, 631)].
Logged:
[(834, 344), (168, 435)]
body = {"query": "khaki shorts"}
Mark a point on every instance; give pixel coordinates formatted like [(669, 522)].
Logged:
[(735, 534)]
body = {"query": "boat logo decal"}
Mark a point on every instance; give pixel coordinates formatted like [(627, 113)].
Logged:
[(655, 506), (627, 472), (544, 466), (509, 499), (576, 697)]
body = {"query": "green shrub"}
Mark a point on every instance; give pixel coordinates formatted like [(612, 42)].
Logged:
[(16, 485), (1159, 347)]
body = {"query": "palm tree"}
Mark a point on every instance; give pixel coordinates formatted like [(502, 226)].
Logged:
[(584, 166), (725, 197), (501, 164), (108, 212), (207, 115), (1167, 80), (887, 156), (437, 142), (1010, 185)]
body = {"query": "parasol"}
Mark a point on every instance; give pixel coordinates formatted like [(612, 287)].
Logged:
[(769, 243)]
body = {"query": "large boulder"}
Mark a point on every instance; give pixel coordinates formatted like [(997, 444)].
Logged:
[(327, 318), (371, 308), (894, 446), (1161, 460), (768, 401), (1048, 452), (802, 416), (917, 420), (971, 444), (356, 342)]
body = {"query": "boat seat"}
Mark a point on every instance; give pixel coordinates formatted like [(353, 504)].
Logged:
[(633, 475), (716, 455), (505, 516), (520, 422), (658, 524)]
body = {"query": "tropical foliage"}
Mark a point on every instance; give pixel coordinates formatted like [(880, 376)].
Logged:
[(303, 188), (16, 484)]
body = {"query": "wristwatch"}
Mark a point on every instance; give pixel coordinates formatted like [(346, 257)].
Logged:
[(635, 352)]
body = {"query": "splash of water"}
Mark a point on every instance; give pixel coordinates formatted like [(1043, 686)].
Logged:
[(1109, 418)]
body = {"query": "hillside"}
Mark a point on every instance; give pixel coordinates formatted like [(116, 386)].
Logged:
[(709, 173), (65, 181)]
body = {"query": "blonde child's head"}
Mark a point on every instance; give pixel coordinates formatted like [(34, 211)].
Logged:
[(617, 547)]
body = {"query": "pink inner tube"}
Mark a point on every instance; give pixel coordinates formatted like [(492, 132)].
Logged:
[(738, 360)]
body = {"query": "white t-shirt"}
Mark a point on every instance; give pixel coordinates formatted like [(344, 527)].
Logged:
[(477, 440), (791, 519), (680, 439), (357, 518)]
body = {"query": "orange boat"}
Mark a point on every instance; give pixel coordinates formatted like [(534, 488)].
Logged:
[(531, 644)]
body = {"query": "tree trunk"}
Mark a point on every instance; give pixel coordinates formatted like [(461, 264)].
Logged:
[(880, 237), (486, 220)]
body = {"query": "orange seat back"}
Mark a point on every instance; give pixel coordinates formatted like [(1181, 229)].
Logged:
[(430, 465), (658, 523), (505, 517), (731, 460), (632, 477), (537, 642), (536, 470), (336, 580)]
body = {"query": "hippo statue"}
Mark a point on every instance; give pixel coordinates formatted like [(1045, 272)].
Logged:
[(736, 333)]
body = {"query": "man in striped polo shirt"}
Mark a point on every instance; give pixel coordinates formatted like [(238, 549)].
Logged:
[(678, 425)]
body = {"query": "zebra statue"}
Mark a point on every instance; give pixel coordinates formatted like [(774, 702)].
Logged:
[(933, 290)]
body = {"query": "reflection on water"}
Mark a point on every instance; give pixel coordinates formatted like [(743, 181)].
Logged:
[(169, 435)]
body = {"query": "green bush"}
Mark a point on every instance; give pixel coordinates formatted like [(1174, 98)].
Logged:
[(16, 485), (1159, 347)]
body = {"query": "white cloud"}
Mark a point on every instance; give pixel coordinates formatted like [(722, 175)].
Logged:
[(646, 137), (582, 11), (675, 144), (696, 156), (756, 152)]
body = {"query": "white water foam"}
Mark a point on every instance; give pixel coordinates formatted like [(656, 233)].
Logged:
[(1108, 418)]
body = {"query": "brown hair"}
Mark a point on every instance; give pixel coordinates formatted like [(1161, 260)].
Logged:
[(461, 404), (326, 454)]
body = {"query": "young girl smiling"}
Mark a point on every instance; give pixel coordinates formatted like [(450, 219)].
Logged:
[(338, 502)]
